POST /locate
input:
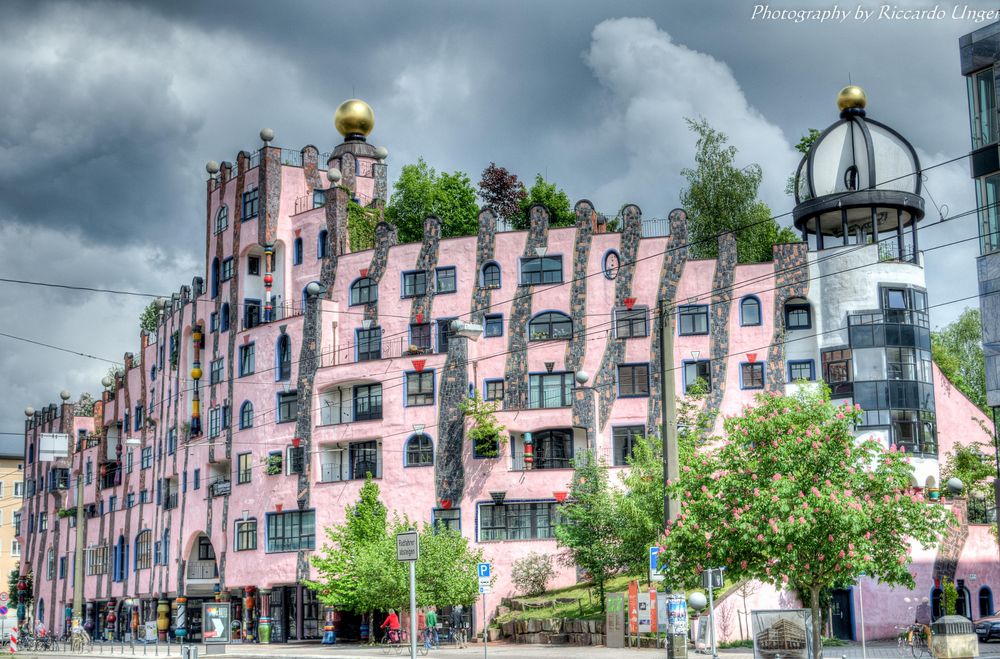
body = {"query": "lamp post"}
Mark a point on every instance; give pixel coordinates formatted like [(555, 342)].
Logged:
[(996, 481), (581, 378)]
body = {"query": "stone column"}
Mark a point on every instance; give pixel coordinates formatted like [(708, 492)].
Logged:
[(162, 617)]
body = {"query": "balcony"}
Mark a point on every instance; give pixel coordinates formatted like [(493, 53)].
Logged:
[(220, 488), (170, 501), (202, 570), (111, 475), (517, 462), (253, 315), (387, 349), (889, 250)]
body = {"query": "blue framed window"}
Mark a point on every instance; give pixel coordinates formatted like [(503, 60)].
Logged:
[(493, 389), (224, 318), (363, 291), (214, 277), (448, 518), (801, 369), (213, 322), (419, 451), (414, 283), (632, 322), (297, 252), (446, 280), (288, 406), (419, 388), (490, 276), (228, 266), (420, 337), (222, 219), (290, 531), (493, 325), (696, 370), (216, 368), (750, 311), (798, 314), (248, 359), (633, 380), (368, 344), (751, 375), (541, 270), (550, 325), (321, 241), (251, 313), (283, 354), (692, 319), (251, 199)]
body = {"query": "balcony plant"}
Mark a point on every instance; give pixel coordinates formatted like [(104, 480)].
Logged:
[(66, 512), (486, 431), (273, 463)]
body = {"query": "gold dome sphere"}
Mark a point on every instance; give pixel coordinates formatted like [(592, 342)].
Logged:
[(195, 373), (354, 117), (852, 96)]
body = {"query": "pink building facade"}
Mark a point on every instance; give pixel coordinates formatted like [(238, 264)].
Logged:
[(297, 365)]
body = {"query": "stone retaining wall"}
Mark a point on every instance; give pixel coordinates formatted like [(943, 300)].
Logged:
[(554, 631)]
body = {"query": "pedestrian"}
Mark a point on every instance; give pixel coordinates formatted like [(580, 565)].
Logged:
[(432, 632), (457, 621)]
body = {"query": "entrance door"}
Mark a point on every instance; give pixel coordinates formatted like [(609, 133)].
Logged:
[(840, 613)]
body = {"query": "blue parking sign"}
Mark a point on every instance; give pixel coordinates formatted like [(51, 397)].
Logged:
[(484, 570)]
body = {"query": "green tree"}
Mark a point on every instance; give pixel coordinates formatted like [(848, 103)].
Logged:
[(588, 525), (149, 318), (420, 191), (12, 578), (958, 351), (721, 197), (805, 143), (501, 191), (792, 498), (84, 406), (361, 223), (446, 571), (555, 200), (969, 464)]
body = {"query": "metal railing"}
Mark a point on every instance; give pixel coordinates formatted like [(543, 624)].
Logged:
[(220, 488), (889, 250), (200, 570), (389, 349), (291, 158), (518, 463), (279, 312), (654, 227), (170, 501)]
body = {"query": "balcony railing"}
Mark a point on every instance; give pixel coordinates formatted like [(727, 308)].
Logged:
[(333, 473), (518, 464), (279, 312), (200, 570), (170, 501), (220, 488), (389, 349)]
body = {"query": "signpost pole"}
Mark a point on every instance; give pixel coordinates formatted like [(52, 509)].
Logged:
[(485, 634), (413, 610), (711, 611), (408, 549)]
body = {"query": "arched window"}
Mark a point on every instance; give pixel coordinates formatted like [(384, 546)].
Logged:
[(224, 318), (363, 291), (798, 314), (419, 451), (491, 275), (215, 277), (144, 550), (283, 352), (297, 252), (985, 602), (963, 605), (321, 244), (750, 311), (120, 560), (31, 453), (222, 219), (246, 415), (550, 325), (41, 610)]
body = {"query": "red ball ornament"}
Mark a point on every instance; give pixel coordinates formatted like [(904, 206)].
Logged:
[(268, 279)]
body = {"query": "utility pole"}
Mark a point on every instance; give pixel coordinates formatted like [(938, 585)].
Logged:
[(78, 556), (996, 481), (676, 643)]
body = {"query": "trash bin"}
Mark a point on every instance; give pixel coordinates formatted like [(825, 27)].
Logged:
[(189, 652), (954, 637)]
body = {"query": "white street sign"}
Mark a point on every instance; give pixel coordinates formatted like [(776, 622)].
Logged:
[(407, 546), (4, 596), (485, 590)]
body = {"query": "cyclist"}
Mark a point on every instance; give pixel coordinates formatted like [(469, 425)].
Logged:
[(392, 621)]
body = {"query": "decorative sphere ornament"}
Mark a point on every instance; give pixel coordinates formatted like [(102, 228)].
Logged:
[(313, 288), (955, 485), (268, 279), (852, 96), (697, 601), (107, 381), (212, 167), (381, 153), (354, 117), (29, 411), (266, 134), (196, 373), (333, 175), (582, 377), (64, 394)]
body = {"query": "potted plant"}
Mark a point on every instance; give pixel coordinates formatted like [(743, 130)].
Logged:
[(273, 464), (486, 431)]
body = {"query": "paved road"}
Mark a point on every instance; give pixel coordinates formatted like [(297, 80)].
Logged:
[(494, 651)]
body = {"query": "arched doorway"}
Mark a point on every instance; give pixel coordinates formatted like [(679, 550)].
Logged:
[(202, 572)]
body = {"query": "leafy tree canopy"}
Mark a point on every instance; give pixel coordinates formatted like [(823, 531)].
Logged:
[(149, 317), (420, 191), (555, 200), (722, 197), (501, 191), (792, 498), (958, 352)]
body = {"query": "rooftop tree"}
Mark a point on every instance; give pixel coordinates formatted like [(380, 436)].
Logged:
[(548, 195), (958, 352), (790, 497), (501, 191), (420, 191)]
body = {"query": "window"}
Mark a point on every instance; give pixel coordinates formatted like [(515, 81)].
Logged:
[(419, 388), (144, 496), (321, 241), (445, 280), (129, 461), (287, 406), (247, 356), (695, 371), (491, 275), (364, 291), (444, 334), (797, 314), (297, 252), (420, 336), (130, 500), (146, 458), (447, 519), (97, 560), (15, 548), (16, 519), (296, 461), (894, 298), (541, 270), (137, 417), (493, 390), (246, 415), (367, 402), (246, 535), (43, 520), (517, 521), (692, 319), (553, 449), (550, 325), (985, 602), (253, 266), (363, 457), (982, 108), (369, 344), (623, 439), (419, 451), (224, 318), (214, 421), (750, 311), (144, 550), (633, 380), (205, 550), (50, 563), (630, 323), (62, 567), (908, 364), (291, 531), (222, 219), (250, 201), (493, 325), (751, 376), (196, 485), (227, 269), (550, 390), (803, 369), (216, 371), (914, 430), (19, 488), (244, 468), (284, 355), (414, 283)]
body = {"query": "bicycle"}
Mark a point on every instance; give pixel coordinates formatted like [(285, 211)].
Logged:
[(80, 640), (918, 638)]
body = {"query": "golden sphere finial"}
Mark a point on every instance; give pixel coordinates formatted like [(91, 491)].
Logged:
[(354, 117), (852, 96)]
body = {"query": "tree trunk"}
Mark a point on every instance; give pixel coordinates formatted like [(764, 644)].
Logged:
[(817, 639)]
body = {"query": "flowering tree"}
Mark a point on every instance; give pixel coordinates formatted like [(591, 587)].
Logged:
[(792, 498)]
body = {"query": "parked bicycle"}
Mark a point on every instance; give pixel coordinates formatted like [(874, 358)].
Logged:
[(918, 637)]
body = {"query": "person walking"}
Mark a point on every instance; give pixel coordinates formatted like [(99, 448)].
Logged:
[(431, 619), (457, 621)]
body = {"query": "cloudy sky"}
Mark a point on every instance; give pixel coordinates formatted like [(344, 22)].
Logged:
[(111, 110)]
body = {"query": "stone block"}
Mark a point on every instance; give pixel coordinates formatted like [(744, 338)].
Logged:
[(591, 626), (559, 639), (534, 626), (508, 628)]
